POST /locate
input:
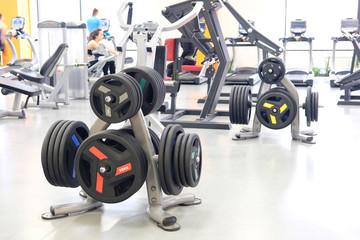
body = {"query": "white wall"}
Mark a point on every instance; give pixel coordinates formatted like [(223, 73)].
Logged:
[(323, 17)]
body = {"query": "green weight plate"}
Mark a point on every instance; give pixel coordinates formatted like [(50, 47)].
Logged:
[(153, 93), (44, 152)]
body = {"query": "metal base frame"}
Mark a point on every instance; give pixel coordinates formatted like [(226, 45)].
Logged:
[(157, 203), (16, 111), (254, 132)]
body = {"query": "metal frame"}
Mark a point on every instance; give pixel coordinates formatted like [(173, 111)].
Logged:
[(218, 49), (304, 136), (351, 83), (157, 203)]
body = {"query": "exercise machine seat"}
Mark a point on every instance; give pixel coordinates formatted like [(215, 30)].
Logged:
[(19, 87), (191, 68), (170, 46), (47, 70)]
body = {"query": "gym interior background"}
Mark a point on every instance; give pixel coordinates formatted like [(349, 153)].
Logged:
[(270, 187)]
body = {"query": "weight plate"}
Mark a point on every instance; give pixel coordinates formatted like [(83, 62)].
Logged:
[(308, 107), (161, 157), (56, 164), (272, 70), (110, 166), (231, 104), (50, 154), (193, 160), (152, 86), (312, 107), (135, 86), (238, 104), (247, 104), (176, 157), (276, 109), (182, 160), (44, 152), (316, 103), (153, 136), (172, 186), (72, 138), (114, 98)]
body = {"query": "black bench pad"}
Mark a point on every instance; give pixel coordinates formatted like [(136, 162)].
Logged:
[(19, 87)]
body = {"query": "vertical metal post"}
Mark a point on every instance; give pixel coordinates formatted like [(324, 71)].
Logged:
[(80, 2), (38, 10)]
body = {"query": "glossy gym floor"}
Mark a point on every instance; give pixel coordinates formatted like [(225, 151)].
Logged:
[(269, 188)]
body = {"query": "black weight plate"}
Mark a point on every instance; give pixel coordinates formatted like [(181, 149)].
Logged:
[(110, 166), (50, 154), (172, 186), (271, 70), (308, 107), (56, 164), (151, 88), (243, 105), (238, 104), (161, 89), (161, 158), (72, 138), (316, 108), (247, 105), (193, 160), (135, 86), (176, 157), (182, 160), (276, 109), (313, 106), (44, 152), (114, 99), (153, 136), (231, 104)]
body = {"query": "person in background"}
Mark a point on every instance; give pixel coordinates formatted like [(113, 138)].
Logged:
[(187, 57), (93, 22), (3, 32), (94, 44)]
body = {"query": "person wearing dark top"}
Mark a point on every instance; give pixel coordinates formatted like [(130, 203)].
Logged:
[(187, 57)]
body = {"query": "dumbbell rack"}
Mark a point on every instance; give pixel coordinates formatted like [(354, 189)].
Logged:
[(157, 203), (303, 136)]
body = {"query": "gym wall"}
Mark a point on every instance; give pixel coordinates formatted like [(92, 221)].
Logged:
[(10, 9)]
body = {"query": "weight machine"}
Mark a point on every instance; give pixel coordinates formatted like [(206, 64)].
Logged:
[(216, 49)]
